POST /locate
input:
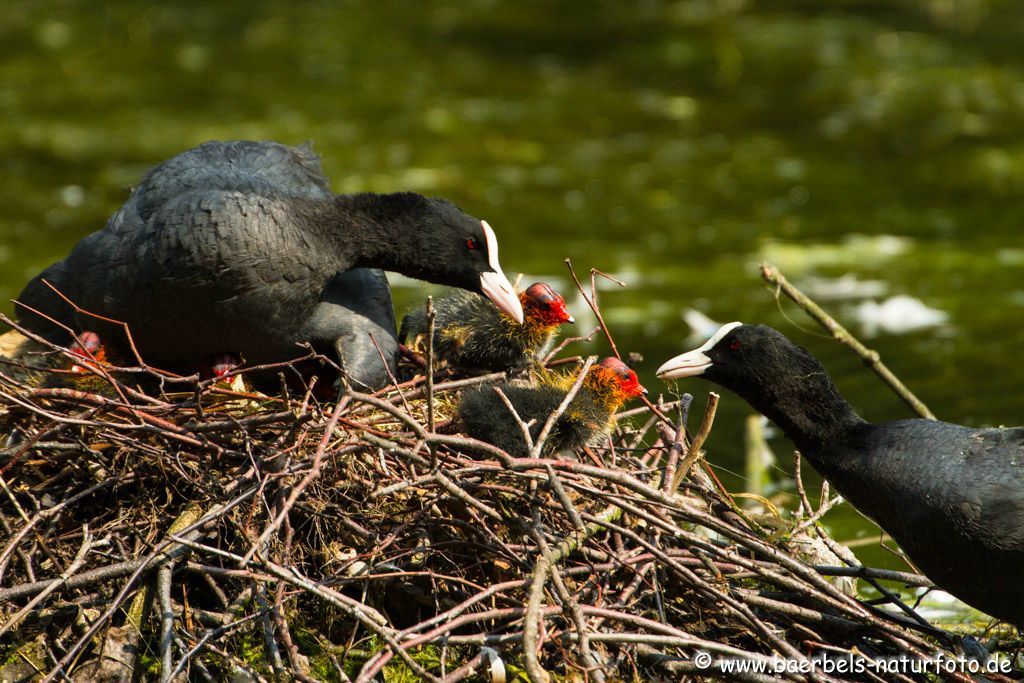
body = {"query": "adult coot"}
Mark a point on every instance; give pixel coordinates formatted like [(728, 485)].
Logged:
[(951, 496), (471, 333), (241, 247), (588, 417)]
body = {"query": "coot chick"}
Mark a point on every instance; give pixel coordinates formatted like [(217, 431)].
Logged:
[(26, 361), (241, 247), (588, 417), (471, 333), (951, 496), (89, 348)]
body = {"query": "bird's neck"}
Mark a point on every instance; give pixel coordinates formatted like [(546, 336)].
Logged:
[(605, 386), (374, 230), (808, 408), (534, 331)]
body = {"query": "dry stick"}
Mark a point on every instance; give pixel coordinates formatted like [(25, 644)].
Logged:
[(555, 416), (644, 409), (164, 575), (43, 515), (210, 635), (271, 651), (696, 516), (736, 607), (565, 342), (565, 501), (40, 540), (471, 667), (524, 427), (380, 660), (813, 519), (592, 303), (675, 448), (453, 384), (392, 447), (695, 447), (489, 592), (661, 633), (456, 491), (532, 618), (773, 276), (314, 472), (906, 578), (575, 613), (430, 379), (546, 563), (391, 375), (171, 547), (366, 615), (203, 672), (392, 410), (163, 591), (54, 585)]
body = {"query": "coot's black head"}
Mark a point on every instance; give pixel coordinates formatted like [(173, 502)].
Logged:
[(776, 376), (460, 250), (735, 356)]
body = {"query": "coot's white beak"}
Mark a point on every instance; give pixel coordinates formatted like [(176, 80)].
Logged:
[(696, 362), (689, 364), (495, 285)]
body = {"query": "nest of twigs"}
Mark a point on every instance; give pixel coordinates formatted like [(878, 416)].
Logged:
[(196, 531)]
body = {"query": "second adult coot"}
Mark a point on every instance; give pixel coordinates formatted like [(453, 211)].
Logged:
[(241, 247), (951, 496)]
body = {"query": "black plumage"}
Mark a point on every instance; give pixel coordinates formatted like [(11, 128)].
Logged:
[(240, 247), (951, 496)]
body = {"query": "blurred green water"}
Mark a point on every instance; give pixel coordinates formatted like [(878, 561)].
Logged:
[(672, 144)]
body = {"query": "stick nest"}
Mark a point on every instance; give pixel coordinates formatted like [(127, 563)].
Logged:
[(199, 532)]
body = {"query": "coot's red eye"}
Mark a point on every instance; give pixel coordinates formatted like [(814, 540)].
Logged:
[(735, 346), (471, 243)]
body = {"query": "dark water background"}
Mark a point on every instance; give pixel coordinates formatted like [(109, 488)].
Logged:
[(672, 144)]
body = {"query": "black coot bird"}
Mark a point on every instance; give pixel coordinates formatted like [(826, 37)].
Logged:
[(951, 496), (241, 247), (608, 385), (471, 333)]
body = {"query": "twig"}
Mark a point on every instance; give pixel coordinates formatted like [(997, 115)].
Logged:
[(314, 472), (773, 276), (699, 438), (430, 378), (52, 585), (592, 302), (538, 446), (563, 498), (575, 613), (906, 578), (524, 427), (532, 618)]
